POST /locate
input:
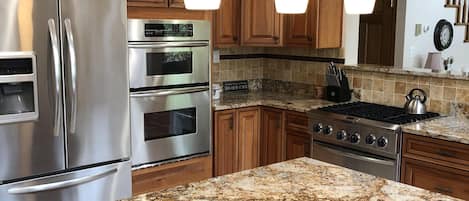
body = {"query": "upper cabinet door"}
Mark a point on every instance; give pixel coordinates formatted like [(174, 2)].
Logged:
[(298, 28), (148, 3), (176, 4), (329, 18), (227, 24), (261, 24)]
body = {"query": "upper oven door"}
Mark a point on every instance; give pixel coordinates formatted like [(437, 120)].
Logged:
[(154, 64), (168, 124)]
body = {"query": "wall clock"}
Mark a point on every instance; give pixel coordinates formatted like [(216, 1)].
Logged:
[(443, 36)]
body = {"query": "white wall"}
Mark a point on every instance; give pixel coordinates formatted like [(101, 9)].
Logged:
[(416, 48)]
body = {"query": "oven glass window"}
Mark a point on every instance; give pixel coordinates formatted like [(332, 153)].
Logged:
[(169, 63), (16, 98), (169, 123)]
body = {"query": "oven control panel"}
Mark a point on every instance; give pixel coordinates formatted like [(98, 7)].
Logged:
[(169, 30)]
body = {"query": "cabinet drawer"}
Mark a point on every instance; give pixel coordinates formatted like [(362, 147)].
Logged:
[(437, 151), (449, 181), (296, 121)]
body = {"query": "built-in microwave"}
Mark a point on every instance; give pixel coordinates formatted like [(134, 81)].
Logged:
[(168, 52)]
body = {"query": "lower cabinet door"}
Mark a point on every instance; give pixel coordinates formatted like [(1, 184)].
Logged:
[(225, 143), (272, 136), (297, 145), (441, 179), (248, 138)]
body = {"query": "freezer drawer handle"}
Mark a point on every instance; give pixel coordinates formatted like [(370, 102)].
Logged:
[(61, 184), (357, 157), (57, 76), (73, 73), (168, 92)]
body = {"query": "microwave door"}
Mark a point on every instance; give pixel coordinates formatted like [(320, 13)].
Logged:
[(35, 145), (97, 93)]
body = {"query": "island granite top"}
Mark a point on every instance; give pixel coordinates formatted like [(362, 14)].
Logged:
[(299, 179)]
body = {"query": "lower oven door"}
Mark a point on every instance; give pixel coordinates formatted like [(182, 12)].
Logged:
[(170, 124), (367, 163)]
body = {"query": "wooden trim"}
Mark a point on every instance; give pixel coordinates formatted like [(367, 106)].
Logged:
[(166, 13), (170, 175)]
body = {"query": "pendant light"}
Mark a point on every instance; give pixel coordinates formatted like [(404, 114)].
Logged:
[(291, 6), (356, 7), (202, 4)]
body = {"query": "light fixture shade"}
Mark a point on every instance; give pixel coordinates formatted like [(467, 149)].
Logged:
[(291, 6), (356, 7), (434, 61), (202, 4)]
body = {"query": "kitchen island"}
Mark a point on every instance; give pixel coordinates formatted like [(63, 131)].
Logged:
[(299, 179)]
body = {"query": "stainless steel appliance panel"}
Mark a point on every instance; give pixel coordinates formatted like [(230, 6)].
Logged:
[(371, 164), (94, 36), (146, 149), (34, 147), (192, 66), (136, 31), (104, 183)]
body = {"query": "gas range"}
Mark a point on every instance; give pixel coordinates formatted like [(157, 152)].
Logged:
[(361, 136)]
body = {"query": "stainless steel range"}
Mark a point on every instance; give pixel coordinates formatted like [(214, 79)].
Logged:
[(361, 136)]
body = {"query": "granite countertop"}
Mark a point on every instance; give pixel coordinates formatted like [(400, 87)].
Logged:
[(299, 179), (233, 100), (454, 129)]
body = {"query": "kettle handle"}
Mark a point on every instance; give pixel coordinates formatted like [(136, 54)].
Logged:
[(421, 91)]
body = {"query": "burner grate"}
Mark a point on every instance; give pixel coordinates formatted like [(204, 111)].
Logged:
[(378, 112)]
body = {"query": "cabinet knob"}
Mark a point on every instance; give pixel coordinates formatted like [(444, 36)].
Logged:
[(310, 38), (276, 38), (235, 38)]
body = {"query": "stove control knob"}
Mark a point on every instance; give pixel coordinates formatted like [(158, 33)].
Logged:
[(355, 138), (317, 128), (328, 130), (382, 142), (342, 135), (370, 139)]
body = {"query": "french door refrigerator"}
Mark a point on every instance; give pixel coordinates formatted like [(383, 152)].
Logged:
[(64, 100)]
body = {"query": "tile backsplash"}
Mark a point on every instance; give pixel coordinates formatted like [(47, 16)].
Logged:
[(307, 77)]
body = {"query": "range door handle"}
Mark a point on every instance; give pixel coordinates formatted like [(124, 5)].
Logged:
[(169, 92), (61, 184), (73, 74), (57, 76)]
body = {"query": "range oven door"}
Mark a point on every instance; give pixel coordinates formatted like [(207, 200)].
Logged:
[(154, 64), (170, 124), (367, 163)]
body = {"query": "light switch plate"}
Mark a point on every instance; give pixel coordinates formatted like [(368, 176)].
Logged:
[(216, 56)]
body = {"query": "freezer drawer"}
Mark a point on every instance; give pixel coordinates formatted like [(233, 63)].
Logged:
[(104, 183)]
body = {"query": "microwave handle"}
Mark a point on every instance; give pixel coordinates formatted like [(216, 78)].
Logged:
[(169, 92), (73, 73), (166, 44), (57, 76)]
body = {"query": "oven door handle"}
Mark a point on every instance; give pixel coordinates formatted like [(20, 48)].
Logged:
[(355, 156), (166, 44), (170, 92)]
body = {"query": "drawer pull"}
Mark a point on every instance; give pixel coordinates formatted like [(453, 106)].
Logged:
[(446, 153), (444, 190)]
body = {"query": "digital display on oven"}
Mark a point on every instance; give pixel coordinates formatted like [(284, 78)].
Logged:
[(169, 30)]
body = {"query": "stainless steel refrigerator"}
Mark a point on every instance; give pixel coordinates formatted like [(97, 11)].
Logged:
[(64, 100)]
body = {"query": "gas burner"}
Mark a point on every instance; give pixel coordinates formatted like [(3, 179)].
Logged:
[(388, 114)]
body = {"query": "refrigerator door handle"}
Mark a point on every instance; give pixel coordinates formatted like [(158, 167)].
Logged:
[(61, 184), (57, 75), (73, 73)]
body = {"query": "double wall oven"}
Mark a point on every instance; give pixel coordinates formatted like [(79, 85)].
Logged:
[(169, 63)]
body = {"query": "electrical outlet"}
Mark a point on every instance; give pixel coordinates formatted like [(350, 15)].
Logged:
[(216, 56)]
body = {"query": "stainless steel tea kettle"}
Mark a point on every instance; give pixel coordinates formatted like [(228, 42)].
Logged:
[(416, 103)]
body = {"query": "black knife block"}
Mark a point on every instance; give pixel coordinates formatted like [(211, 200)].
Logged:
[(338, 94)]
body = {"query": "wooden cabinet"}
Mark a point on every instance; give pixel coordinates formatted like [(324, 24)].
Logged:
[(170, 175), (436, 165), (261, 24), (272, 136), (319, 27), (248, 138), (237, 134), (156, 3), (227, 24), (226, 140), (298, 140)]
